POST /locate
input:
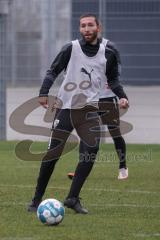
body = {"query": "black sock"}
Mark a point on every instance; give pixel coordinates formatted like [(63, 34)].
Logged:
[(81, 173), (45, 173), (120, 146)]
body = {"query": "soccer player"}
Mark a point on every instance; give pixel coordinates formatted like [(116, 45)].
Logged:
[(109, 113), (86, 62)]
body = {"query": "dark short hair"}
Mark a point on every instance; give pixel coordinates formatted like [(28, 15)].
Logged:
[(90, 15)]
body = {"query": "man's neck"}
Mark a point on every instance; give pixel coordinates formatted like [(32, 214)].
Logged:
[(91, 43), (94, 42)]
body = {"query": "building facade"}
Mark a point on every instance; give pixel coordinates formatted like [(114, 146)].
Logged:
[(134, 26)]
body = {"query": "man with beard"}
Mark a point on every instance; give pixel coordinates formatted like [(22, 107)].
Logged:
[(85, 64), (109, 114)]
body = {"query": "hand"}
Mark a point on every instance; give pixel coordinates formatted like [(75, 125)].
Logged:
[(57, 103), (123, 103), (43, 101)]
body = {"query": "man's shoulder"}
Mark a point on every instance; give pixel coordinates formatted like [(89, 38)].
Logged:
[(111, 45), (108, 43), (66, 47), (111, 49)]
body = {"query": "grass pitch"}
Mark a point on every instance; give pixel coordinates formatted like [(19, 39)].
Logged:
[(118, 210)]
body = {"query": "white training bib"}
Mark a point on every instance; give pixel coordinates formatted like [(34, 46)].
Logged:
[(83, 79)]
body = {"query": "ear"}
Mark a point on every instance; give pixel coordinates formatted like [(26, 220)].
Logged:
[(100, 30), (100, 27)]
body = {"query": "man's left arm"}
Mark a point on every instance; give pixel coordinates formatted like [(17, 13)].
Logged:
[(113, 75)]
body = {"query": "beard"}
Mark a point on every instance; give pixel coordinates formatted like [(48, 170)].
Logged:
[(90, 38)]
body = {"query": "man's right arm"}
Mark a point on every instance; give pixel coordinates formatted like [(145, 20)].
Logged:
[(59, 64)]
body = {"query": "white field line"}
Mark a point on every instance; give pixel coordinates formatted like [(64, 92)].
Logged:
[(147, 235), (86, 189), (127, 205), (18, 238), (107, 205)]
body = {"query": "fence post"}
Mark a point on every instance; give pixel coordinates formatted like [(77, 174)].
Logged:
[(4, 8)]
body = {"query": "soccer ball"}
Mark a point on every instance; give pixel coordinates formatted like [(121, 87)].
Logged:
[(51, 212)]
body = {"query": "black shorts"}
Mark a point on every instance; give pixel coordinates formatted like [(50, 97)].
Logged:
[(109, 111), (85, 121)]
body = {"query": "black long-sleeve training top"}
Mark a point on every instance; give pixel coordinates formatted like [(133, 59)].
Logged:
[(62, 59)]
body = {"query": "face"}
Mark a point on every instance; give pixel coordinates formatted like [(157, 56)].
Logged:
[(89, 29)]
